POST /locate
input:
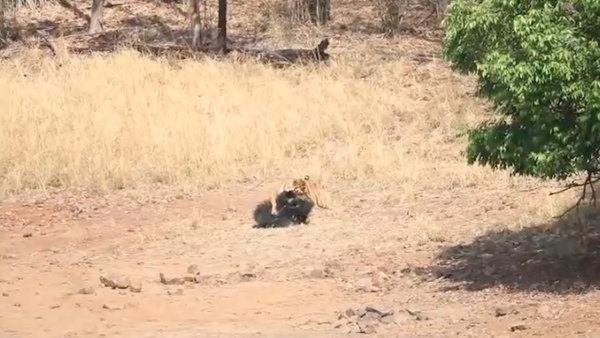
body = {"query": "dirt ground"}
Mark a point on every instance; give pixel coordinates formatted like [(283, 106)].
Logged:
[(274, 282)]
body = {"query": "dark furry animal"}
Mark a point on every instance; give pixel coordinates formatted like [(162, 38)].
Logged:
[(291, 208)]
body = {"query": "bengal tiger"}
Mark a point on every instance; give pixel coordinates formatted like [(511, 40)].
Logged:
[(302, 186)]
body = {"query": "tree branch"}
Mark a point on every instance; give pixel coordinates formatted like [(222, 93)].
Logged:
[(589, 181)]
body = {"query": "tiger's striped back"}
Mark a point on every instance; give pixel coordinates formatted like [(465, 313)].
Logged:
[(303, 186)]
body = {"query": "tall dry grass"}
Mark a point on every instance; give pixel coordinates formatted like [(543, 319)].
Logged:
[(124, 121)]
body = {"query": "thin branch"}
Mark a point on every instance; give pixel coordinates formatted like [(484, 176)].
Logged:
[(593, 193), (588, 182), (48, 41)]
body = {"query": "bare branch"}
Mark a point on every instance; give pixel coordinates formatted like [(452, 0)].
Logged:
[(589, 181)]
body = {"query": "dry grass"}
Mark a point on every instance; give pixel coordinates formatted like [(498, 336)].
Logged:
[(124, 121)]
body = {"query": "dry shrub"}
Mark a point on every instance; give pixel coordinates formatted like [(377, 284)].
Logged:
[(122, 121)]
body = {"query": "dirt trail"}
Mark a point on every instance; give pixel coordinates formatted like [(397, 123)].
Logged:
[(268, 283)]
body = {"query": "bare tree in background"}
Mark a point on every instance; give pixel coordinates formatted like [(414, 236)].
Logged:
[(96, 17), (315, 11), (3, 35), (195, 24), (222, 26)]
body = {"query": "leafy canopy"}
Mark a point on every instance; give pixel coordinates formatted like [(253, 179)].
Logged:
[(538, 62)]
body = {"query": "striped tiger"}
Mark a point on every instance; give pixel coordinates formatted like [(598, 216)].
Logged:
[(302, 186)]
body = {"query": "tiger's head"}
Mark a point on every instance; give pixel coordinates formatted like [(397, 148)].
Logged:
[(301, 186)]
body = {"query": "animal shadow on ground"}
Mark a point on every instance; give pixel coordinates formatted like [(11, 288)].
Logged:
[(553, 257)]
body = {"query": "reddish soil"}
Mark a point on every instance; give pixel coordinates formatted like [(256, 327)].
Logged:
[(299, 277)]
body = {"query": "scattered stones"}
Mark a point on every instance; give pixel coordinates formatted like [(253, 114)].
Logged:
[(546, 312), (383, 311), (419, 315), (136, 286), (339, 323), (108, 306), (171, 281), (249, 272), (502, 311), (319, 273), (193, 269), (87, 290), (364, 319), (366, 328), (115, 281), (178, 292), (366, 285), (518, 327), (370, 317), (388, 320)]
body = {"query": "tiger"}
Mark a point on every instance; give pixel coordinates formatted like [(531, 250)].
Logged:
[(302, 186)]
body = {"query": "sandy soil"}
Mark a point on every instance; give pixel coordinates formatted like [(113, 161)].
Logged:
[(263, 282)]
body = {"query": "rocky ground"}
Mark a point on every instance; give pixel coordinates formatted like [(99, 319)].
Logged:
[(130, 265)]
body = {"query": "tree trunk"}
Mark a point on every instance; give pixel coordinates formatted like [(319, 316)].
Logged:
[(320, 11), (315, 11), (96, 17), (195, 27), (222, 26), (3, 30)]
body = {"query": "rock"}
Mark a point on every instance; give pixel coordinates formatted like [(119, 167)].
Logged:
[(380, 279), (366, 328), (27, 234), (136, 286), (546, 312), (360, 311), (504, 311), (109, 306), (315, 273), (339, 323), (178, 292), (190, 278), (246, 277), (5, 294), (86, 290), (332, 264), (350, 312), (366, 285), (115, 281), (250, 271), (381, 310), (371, 316), (418, 315), (170, 281), (422, 317), (389, 319), (193, 269), (518, 327)]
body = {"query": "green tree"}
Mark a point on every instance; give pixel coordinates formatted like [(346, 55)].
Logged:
[(538, 63)]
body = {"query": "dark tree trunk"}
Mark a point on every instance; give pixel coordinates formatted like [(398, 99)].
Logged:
[(319, 10), (222, 26), (315, 11)]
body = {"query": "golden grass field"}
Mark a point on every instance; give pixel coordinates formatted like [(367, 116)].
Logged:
[(118, 162), (125, 121)]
